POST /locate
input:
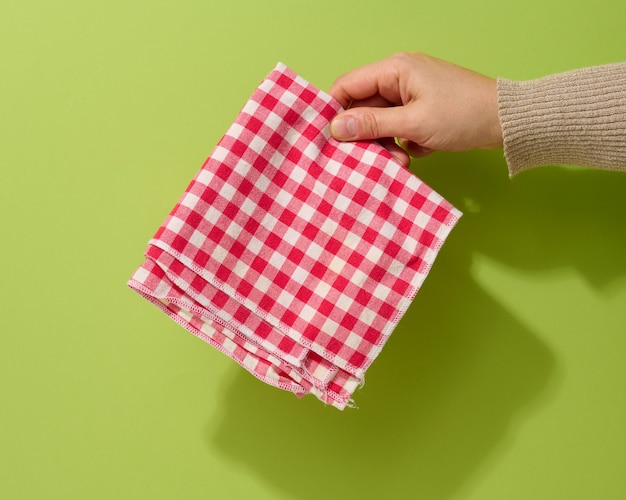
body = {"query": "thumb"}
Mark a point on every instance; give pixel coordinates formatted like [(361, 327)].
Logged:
[(370, 123)]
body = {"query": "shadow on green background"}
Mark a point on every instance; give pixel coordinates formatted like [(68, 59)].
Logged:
[(460, 369)]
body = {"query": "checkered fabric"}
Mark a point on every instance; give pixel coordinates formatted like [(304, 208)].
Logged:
[(295, 254)]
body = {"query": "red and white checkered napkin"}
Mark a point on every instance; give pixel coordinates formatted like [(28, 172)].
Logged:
[(293, 253)]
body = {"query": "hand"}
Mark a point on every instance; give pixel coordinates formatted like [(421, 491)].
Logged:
[(426, 103)]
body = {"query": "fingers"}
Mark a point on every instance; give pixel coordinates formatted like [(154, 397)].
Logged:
[(382, 124), (413, 149), (375, 101), (396, 151), (380, 107), (366, 123), (358, 84), (367, 81)]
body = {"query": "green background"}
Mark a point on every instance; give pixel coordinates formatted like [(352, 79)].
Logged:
[(505, 380)]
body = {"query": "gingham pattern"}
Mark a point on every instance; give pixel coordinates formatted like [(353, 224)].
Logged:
[(291, 252)]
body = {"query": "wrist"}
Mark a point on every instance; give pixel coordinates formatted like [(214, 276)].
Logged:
[(493, 132)]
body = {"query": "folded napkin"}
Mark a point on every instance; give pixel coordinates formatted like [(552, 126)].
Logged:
[(293, 253)]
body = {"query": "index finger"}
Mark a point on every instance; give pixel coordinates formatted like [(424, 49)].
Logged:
[(379, 78)]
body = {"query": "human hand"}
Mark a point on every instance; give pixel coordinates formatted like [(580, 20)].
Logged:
[(426, 103)]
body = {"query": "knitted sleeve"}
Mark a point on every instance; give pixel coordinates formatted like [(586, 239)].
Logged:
[(572, 118)]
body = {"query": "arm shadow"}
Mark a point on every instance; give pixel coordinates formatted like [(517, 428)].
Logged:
[(460, 373)]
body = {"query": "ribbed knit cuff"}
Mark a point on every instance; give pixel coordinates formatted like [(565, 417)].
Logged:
[(572, 118)]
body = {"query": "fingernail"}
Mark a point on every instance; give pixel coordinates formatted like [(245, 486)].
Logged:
[(343, 128)]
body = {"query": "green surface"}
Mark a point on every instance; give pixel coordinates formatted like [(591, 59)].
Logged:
[(505, 380)]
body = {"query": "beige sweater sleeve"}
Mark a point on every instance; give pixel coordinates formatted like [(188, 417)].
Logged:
[(572, 118)]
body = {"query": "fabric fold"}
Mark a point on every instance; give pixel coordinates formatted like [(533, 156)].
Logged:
[(293, 253)]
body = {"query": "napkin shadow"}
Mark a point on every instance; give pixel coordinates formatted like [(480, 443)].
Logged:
[(460, 372)]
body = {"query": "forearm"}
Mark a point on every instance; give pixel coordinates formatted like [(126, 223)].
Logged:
[(572, 118)]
